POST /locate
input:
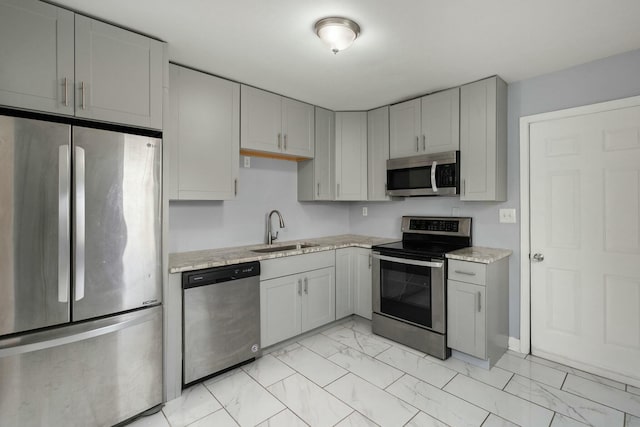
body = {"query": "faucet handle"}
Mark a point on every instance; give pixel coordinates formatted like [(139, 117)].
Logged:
[(274, 237)]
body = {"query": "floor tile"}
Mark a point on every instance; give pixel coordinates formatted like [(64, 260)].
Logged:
[(311, 403), (505, 405), (424, 420), (368, 344), (632, 421), (377, 373), (315, 367), (495, 421), (155, 420), (322, 345), (421, 368), (578, 372), (496, 377), (268, 370), (356, 323), (516, 354), (356, 419), (560, 420), (219, 418), (374, 403), (565, 403), (621, 400), (437, 403), (246, 400), (194, 403), (285, 418), (634, 390), (534, 371)]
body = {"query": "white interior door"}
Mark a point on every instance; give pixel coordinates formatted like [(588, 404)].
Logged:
[(585, 222)]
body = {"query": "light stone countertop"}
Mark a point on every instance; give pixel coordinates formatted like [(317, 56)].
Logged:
[(479, 254), (187, 261)]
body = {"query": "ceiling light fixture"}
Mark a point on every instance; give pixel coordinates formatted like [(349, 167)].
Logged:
[(337, 33)]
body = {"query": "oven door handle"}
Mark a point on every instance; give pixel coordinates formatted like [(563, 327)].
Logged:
[(431, 264)]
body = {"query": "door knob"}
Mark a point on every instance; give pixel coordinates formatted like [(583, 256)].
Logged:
[(538, 257)]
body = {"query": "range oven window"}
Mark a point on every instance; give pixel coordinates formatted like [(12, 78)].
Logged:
[(405, 292)]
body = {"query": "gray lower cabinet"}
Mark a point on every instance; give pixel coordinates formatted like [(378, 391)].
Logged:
[(351, 155), (478, 308), (316, 177), (203, 134), (377, 153), (56, 61), (353, 282)]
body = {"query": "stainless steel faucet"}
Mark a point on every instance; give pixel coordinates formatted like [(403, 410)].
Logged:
[(270, 236)]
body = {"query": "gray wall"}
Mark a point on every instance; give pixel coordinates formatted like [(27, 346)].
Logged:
[(271, 184)]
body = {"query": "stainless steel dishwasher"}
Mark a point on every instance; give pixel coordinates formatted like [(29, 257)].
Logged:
[(221, 319)]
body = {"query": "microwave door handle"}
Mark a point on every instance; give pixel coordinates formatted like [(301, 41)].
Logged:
[(431, 264), (434, 186)]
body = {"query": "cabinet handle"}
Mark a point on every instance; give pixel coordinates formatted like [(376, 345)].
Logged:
[(285, 142), (463, 189), (466, 273), (370, 257), (338, 190), (318, 189), (479, 302), (279, 141), (235, 187), (83, 105), (306, 286), (300, 287), (417, 143), (66, 92), (424, 142)]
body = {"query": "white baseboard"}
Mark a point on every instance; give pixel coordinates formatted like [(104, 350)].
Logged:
[(514, 344)]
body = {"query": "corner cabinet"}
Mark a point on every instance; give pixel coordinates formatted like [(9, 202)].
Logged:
[(377, 153), (316, 177), (425, 125), (353, 282), (203, 134), (273, 124), (69, 64), (478, 308), (483, 140), (351, 155)]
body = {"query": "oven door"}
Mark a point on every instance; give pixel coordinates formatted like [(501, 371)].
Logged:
[(410, 290)]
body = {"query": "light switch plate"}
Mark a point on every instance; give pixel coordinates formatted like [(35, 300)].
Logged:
[(508, 216), (247, 161), (365, 211)]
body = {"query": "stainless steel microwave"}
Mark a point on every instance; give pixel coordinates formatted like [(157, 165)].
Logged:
[(435, 174)]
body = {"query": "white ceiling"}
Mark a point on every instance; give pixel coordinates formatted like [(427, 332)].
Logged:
[(406, 48)]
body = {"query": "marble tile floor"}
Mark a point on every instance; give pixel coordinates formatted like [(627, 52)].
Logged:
[(345, 376)]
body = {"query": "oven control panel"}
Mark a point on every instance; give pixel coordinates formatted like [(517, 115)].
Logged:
[(450, 226), (433, 225)]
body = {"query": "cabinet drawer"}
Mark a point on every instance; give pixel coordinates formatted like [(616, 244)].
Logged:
[(465, 271)]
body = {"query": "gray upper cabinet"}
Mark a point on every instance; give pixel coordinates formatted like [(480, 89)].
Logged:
[(425, 125), (59, 62), (275, 124), (316, 177), (483, 140), (377, 153), (36, 47), (351, 155), (203, 134), (118, 75)]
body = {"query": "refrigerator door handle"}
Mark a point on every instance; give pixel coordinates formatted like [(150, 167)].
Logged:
[(63, 223), (79, 223)]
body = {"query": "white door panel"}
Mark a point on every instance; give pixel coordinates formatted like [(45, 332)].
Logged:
[(585, 220)]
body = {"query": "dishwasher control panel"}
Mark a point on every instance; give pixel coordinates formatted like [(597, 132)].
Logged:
[(210, 276)]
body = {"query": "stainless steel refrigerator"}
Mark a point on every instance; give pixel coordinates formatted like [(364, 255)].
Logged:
[(80, 282)]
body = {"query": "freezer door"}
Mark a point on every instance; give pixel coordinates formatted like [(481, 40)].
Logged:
[(116, 222), (95, 373), (34, 224)]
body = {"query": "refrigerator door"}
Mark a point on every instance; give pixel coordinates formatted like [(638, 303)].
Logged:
[(117, 223), (34, 224), (95, 373)]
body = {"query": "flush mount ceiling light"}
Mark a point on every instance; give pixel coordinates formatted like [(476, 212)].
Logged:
[(337, 33)]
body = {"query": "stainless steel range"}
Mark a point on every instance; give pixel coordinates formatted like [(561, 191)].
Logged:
[(409, 282)]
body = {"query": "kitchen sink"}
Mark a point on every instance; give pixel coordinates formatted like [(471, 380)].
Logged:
[(282, 248)]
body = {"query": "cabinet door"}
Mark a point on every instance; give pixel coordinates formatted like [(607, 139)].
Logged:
[(208, 134), (280, 309), (297, 128), (36, 46), (261, 120), (351, 155), (325, 145), (466, 325), (405, 128), (377, 153), (118, 75), (441, 121), (319, 298), (363, 305), (345, 292)]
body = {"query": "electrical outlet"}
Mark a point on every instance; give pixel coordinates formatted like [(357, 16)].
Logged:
[(247, 161), (365, 211), (508, 216)]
